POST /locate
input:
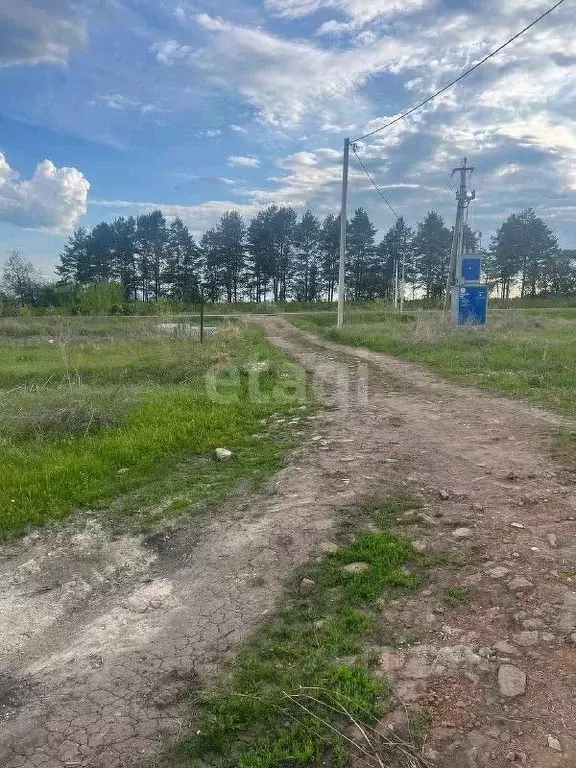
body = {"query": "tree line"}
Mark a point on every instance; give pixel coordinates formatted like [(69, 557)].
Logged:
[(279, 256)]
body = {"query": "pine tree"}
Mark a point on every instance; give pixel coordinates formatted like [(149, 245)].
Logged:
[(124, 247), (284, 232), (261, 252), (101, 266), (432, 243), (395, 249), (330, 255), (210, 247), (183, 264), (361, 253), (306, 245), (74, 266), (559, 273), (231, 237), (539, 245)]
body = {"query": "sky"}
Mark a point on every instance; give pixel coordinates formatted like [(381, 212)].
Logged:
[(117, 107)]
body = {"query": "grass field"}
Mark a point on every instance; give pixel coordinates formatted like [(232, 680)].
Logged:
[(529, 354), (297, 687), (116, 413)]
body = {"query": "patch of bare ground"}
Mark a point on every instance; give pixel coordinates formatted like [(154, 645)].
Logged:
[(102, 641)]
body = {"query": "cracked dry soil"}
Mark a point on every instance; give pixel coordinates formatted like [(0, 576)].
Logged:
[(101, 640)]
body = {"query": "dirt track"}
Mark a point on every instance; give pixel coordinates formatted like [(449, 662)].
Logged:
[(101, 641)]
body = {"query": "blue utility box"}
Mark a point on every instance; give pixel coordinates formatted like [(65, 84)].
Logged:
[(469, 304), (471, 269), (470, 296)]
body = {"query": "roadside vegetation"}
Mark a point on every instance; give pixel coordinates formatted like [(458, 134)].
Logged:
[(531, 355), (296, 689), (118, 413)]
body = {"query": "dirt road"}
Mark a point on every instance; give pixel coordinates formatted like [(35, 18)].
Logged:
[(101, 640)]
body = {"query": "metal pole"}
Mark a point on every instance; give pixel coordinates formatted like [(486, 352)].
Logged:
[(343, 222), (403, 283), (396, 281), (201, 316)]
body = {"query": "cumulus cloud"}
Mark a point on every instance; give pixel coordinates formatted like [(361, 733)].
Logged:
[(53, 199), (34, 31), (244, 162)]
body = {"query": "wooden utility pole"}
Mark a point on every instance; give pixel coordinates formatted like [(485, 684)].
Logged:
[(343, 223)]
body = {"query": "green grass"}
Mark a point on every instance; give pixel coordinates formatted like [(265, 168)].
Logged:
[(522, 354), (104, 418), (456, 595), (293, 689)]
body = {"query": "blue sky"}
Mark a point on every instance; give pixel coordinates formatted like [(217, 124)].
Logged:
[(114, 107)]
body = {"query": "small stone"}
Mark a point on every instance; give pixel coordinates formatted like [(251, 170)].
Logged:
[(533, 624), (511, 681), (552, 540), (485, 652), (223, 454), (444, 495), (462, 533), (519, 583), (420, 546), (328, 546), (554, 744), (572, 638), (526, 639), (356, 568), (477, 507), (506, 648), (518, 525), (307, 586), (547, 637), (499, 572), (417, 668)]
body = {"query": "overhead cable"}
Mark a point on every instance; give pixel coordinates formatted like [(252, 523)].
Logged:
[(491, 55), (376, 187)]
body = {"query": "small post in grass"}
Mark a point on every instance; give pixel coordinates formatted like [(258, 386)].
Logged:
[(201, 315)]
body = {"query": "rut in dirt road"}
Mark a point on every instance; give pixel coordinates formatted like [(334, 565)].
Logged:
[(99, 680)]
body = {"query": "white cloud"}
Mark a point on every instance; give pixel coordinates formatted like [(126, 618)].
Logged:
[(238, 129), (359, 12), (198, 217), (119, 102), (285, 80), (169, 51), (34, 31), (244, 162), (54, 198), (209, 133)]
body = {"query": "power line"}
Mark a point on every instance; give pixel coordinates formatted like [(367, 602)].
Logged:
[(411, 111), (376, 187)]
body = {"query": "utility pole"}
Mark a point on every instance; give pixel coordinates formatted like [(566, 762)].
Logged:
[(343, 222), (403, 282), (464, 199)]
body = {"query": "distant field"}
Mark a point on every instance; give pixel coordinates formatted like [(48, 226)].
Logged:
[(529, 353), (115, 412)]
